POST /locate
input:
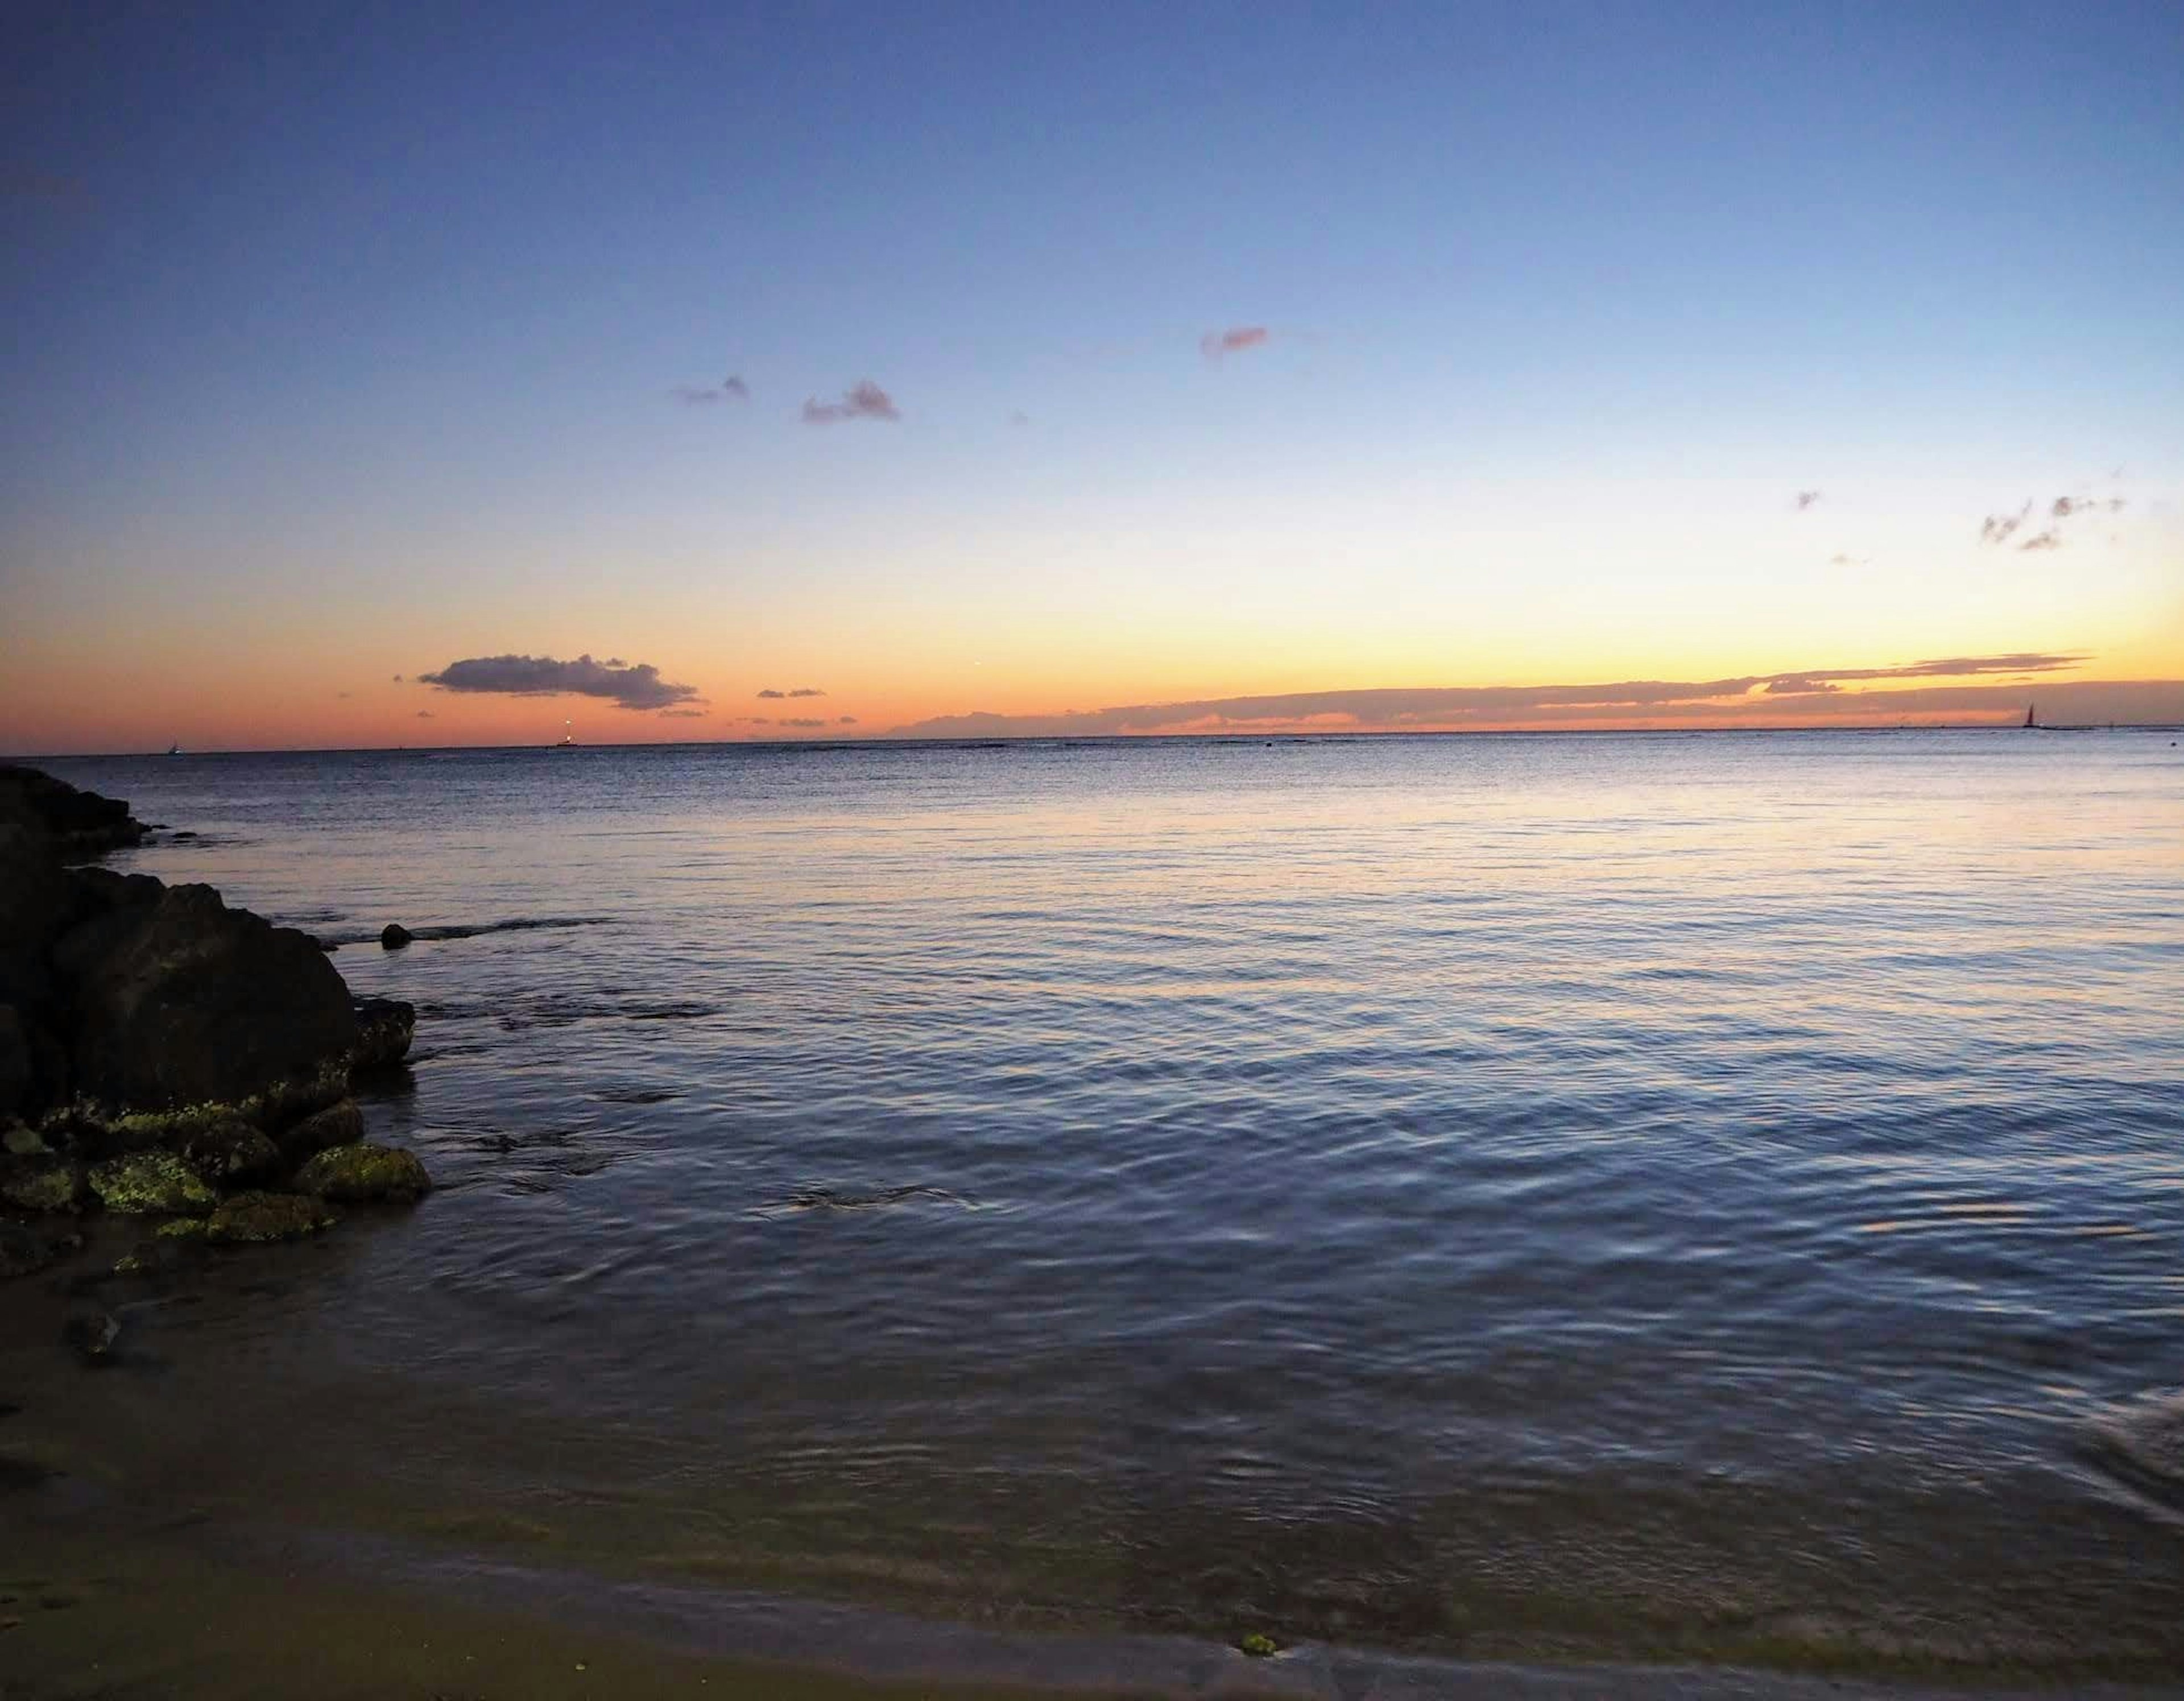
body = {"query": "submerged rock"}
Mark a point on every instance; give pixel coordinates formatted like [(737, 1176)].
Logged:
[(40, 1183), (364, 1172), (231, 1153), (149, 1182), (340, 1124), (183, 1002), (394, 936), (91, 1332), (251, 1219)]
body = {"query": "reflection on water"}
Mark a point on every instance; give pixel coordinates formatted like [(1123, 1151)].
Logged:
[(1658, 1195)]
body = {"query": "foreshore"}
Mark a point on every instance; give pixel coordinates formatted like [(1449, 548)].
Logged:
[(187, 1612)]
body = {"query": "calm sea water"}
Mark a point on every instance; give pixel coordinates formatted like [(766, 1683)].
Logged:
[(1716, 1195)]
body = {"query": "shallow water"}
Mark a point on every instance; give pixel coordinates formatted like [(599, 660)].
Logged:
[(1715, 1195)]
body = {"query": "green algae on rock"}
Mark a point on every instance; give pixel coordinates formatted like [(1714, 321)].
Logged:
[(253, 1218), (147, 1183), (32, 1184), (363, 1171), (1259, 1647)]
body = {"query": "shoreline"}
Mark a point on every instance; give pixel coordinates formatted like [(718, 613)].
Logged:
[(183, 1611)]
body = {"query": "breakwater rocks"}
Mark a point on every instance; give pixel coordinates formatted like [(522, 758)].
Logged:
[(164, 1057)]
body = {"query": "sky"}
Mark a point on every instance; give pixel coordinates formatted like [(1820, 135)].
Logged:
[(423, 375)]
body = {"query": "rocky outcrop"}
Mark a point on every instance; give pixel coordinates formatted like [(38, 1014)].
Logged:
[(160, 1050), (178, 1000), (80, 825)]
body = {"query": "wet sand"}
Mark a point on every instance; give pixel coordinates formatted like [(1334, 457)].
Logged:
[(160, 1620)]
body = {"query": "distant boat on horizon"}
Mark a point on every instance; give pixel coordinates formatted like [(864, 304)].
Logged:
[(174, 750), (568, 740)]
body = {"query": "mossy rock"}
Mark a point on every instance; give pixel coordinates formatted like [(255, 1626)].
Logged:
[(1260, 1647), (340, 1124), (35, 1184), (364, 1172), (231, 1153), (181, 1229), (20, 1140), (253, 1218), (147, 1183)]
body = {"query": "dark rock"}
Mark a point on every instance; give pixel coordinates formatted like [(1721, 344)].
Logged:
[(363, 1173), (394, 936), (249, 1219), (183, 1002), (34, 890), (20, 1140), (384, 1029), (18, 1071), (231, 1153), (151, 1184), (91, 1332), (79, 824), (40, 1183), (338, 1124)]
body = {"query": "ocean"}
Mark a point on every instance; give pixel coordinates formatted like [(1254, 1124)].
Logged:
[(1714, 1196)]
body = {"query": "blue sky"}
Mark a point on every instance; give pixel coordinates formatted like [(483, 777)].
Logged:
[(366, 320)]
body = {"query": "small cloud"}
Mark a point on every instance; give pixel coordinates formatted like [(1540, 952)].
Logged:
[(397, 678), (1806, 499), (2042, 540), (683, 714), (637, 685), (1996, 528), (1791, 684), (2115, 504), (340, 694), (427, 715), (807, 691), (845, 719), (771, 692), (1214, 344), (2064, 507), (1017, 416), (865, 400), (794, 722), (731, 389)]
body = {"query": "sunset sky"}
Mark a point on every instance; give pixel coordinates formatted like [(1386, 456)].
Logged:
[(1115, 368)]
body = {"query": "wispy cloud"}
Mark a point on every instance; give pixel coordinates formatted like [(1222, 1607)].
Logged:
[(683, 714), (1394, 709), (427, 715), (771, 692), (845, 719), (1215, 344), (800, 691), (864, 400), (731, 389), (1998, 528), (1806, 499), (635, 685)]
